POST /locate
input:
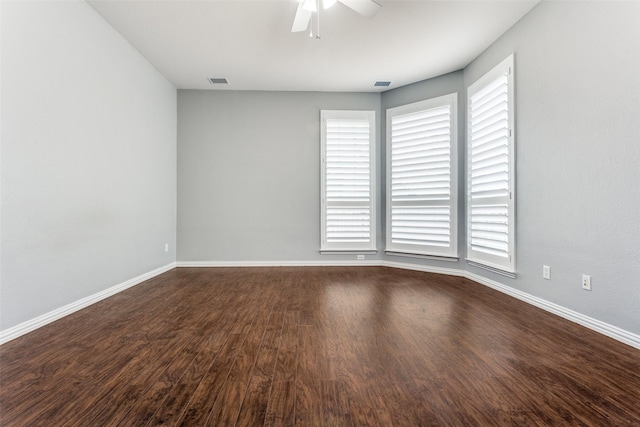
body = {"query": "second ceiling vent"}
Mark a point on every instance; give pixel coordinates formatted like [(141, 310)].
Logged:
[(218, 81)]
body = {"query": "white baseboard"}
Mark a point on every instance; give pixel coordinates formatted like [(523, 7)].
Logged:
[(323, 263), (425, 268), (330, 263), (611, 331), (37, 322)]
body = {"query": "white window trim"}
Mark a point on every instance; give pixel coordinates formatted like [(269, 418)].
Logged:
[(450, 253), (482, 260), (328, 248)]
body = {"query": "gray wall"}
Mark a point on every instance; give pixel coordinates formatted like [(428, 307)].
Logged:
[(578, 154), (88, 159), (249, 173)]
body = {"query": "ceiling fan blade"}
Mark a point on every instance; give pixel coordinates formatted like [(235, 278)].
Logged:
[(301, 20), (367, 8)]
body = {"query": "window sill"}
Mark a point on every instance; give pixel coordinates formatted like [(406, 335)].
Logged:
[(506, 273), (423, 256), (348, 251)]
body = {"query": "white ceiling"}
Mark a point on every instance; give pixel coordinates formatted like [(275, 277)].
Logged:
[(250, 43)]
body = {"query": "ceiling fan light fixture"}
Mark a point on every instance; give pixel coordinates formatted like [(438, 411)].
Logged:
[(310, 5), (307, 9), (328, 3)]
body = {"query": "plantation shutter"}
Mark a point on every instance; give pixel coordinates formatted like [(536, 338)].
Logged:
[(490, 214), (421, 150), (347, 203)]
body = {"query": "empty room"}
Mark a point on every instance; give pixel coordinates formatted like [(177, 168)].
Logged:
[(320, 213)]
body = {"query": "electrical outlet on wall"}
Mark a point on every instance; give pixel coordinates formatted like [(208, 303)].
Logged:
[(166, 247), (360, 257), (546, 272), (586, 282)]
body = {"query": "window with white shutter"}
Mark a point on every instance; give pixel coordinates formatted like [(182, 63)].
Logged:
[(490, 169), (348, 177), (421, 178)]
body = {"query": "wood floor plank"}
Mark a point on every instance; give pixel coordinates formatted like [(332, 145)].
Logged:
[(281, 406), (287, 358), (163, 373), (63, 364), (201, 401), (227, 406), (256, 399), (334, 346), (165, 397), (280, 409)]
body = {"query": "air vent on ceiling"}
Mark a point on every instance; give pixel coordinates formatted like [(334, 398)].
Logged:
[(381, 84), (218, 81)]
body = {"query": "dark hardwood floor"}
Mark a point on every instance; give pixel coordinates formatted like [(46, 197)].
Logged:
[(365, 346)]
